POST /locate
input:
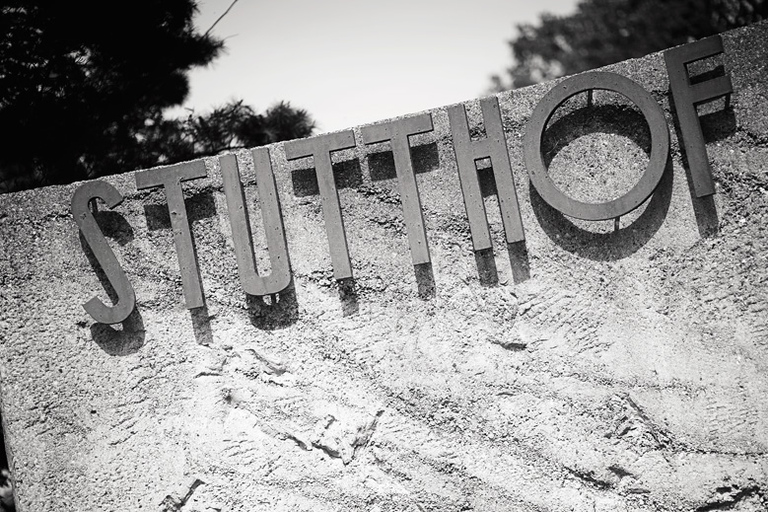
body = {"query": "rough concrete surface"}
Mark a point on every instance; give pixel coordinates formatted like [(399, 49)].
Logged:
[(603, 370)]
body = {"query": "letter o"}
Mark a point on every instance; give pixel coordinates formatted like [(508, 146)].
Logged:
[(648, 182)]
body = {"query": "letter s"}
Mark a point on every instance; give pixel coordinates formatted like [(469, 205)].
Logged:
[(126, 297)]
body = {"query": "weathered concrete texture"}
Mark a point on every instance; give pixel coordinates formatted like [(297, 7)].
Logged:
[(606, 370)]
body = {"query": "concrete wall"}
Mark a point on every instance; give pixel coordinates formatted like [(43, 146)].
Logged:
[(603, 370)]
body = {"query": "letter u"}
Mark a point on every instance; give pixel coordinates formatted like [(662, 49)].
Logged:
[(280, 277)]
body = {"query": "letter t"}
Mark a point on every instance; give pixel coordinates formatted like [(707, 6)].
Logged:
[(398, 132), (320, 149), (170, 179)]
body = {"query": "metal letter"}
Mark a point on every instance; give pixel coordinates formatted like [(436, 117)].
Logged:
[(126, 297), (280, 276), (468, 152), (398, 132), (320, 148), (170, 179), (686, 98), (538, 122)]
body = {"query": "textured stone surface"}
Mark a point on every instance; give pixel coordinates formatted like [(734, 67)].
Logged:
[(606, 370)]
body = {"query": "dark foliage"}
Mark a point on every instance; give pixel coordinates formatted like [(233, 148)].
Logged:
[(84, 84), (229, 127), (602, 32)]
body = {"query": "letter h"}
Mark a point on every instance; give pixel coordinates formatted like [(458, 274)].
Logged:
[(468, 152)]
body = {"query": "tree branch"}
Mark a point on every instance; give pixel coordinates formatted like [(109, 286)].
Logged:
[(220, 17)]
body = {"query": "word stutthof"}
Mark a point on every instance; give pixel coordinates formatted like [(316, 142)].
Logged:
[(398, 132)]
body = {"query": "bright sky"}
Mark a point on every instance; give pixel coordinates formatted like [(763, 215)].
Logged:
[(349, 62)]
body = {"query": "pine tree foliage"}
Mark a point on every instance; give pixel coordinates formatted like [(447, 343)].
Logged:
[(602, 32), (84, 85)]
